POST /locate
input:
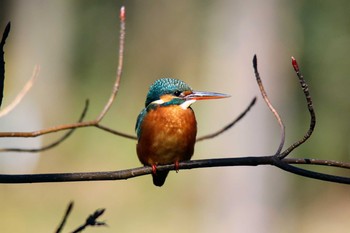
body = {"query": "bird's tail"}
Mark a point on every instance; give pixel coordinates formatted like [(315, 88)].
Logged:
[(159, 178)]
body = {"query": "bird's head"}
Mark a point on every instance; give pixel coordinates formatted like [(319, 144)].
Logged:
[(170, 91)]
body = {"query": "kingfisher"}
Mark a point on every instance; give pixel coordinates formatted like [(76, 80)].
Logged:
[(166, 128)]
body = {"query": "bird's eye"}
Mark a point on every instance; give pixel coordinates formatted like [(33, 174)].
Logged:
[(177, 93)]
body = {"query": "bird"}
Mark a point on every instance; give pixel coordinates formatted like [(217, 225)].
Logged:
[(166, 128)]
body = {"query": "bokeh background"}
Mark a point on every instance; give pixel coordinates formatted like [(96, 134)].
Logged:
[(210, 45)]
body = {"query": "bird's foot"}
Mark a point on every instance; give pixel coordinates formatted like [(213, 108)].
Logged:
[(177, 166), (154, 169)]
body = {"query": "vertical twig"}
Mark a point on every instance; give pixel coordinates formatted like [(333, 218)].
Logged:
[(272, 109), (120, 65), (2, 60), (306, 92)]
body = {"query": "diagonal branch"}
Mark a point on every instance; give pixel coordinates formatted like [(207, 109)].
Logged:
[(92, 221), (199, 139), (227, 127), (65, 217), (56, 143), (22, 93)]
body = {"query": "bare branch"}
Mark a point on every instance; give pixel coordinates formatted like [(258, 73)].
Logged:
[(92, 221), (306, 92), (328, 163), (56, 143), (227, 127), (193, 164), (2, 60), (65, 217), (120, 66), (272, 109), (109, 130), (22, 93), (105, 109), (280, 163)]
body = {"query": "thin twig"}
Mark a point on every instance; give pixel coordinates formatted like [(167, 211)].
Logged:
[(2, 59), (54, 144), (92, 221), (306, 92), (328, 163), (280, 163), (120, 65), (109, 130), (105, 109), (272, 109), (199, 139), (22, 93), (227, 127), (65, 217)]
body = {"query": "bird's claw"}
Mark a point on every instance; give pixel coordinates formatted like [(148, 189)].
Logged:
[(177, 166), (154, 169)]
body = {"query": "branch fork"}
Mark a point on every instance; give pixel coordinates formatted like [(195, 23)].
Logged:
[(278, 159)]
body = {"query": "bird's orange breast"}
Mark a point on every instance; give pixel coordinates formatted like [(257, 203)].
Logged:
[(168, 135)]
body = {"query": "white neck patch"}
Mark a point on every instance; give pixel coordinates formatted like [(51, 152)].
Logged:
[(186, 104)]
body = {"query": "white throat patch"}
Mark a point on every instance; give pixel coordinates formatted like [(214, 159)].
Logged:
[(186, 104)]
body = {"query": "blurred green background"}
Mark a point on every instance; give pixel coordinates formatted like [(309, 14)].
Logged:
[(209, 45)]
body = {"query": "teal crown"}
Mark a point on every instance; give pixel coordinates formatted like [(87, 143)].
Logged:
[(165, 86)]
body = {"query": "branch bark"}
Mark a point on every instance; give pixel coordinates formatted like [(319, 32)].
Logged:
[(284, 164)]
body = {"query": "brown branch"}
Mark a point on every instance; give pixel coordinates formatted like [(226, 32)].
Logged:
[(306, 92), (106, 107), (267, 101), (22, 93), (199, 139), (109, 130), (274, 160), (227, 127), (54, 144)]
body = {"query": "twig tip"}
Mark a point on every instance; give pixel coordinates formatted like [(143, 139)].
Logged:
[(122, 13), (295, 64), (6, 33), (255, 62)]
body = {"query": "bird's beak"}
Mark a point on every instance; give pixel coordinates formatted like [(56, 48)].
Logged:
[(203, 95)]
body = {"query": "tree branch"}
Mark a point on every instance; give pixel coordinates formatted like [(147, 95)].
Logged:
[(2, 60), (193, 164), (310, 107), (106, 107), (65, 217), (22, 93), (227, 127), (51, 145), (269, 105), (90, 221)]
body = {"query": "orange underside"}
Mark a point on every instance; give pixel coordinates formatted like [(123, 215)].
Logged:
[(168, 135)]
